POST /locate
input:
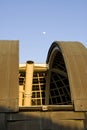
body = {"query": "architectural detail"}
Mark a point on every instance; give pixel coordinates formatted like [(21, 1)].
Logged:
[(38, 84), (51, 96)]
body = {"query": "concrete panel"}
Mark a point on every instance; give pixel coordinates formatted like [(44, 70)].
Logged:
[(3, 124), (59, 120), (68, 125), (9, 70)]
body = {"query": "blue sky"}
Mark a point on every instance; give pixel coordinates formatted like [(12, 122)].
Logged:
[(26, 20)]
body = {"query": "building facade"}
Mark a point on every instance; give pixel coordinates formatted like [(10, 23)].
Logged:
[(44, 96)]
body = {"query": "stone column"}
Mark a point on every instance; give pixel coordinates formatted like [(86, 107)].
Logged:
[(28, 83)]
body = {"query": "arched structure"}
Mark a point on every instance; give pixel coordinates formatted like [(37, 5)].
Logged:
[(67, 75)]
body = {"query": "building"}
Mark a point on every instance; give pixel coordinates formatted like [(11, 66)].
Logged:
[(44, 96)]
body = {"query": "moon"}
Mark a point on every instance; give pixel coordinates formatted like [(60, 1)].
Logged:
[(44, 33)]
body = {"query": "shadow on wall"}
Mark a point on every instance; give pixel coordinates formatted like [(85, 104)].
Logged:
[(38, 120)]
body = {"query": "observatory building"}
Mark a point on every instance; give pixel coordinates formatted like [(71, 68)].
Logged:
[(50, 96)]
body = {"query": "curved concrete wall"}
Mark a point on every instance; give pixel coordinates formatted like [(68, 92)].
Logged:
[(70, 59)]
